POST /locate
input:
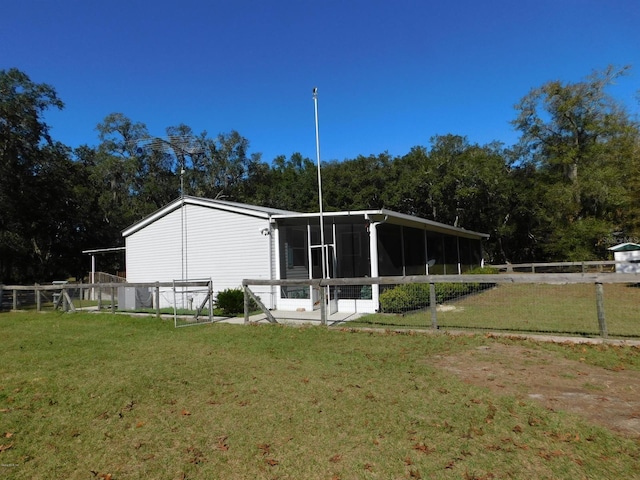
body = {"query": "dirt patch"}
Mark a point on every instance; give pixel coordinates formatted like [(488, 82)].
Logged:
[(605, 397)]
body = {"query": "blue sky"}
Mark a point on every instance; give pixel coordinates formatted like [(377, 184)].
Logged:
[(390, 74)]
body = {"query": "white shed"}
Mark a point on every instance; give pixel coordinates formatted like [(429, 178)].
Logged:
[(628, 253), (197, 238)]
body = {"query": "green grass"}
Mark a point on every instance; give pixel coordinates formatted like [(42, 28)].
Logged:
[(86, 396), (562, 309)]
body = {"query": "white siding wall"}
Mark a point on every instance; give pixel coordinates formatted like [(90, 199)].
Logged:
[(224, 246), (633, 259)]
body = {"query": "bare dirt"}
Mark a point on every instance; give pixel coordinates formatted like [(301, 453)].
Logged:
[(605, 397)]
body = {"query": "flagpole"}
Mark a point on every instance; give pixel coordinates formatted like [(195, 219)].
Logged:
[(322, 246)]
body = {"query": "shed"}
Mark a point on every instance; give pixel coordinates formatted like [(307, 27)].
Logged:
[(629, 253), (199, 238), (195, 238)]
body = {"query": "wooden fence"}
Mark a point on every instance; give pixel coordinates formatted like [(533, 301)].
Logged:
[(595, 266), (321, 285)]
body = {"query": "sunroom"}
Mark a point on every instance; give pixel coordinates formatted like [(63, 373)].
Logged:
[(360, 244)]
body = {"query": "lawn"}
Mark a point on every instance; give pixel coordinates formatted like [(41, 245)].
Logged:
[(104, 396), (559, 309)]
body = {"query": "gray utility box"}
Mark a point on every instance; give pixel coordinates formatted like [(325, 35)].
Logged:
[(133, 298)]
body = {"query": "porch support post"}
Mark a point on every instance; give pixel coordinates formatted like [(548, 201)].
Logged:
[(93, 276), (373, 249)]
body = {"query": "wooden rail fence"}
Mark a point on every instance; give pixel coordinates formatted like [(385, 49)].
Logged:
[(596, 279)]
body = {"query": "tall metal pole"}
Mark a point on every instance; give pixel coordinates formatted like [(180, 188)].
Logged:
[(324, 256)]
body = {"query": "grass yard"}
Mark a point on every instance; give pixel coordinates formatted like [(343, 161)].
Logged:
[(562, 309), (104, 396)]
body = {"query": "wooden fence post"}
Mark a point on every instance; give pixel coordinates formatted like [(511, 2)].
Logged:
[(602, 321), (1, 294), (323, 304), (246, 303), (113, 300), (157, 300), (99, 298), (433, 306), (15, 299), (38, 300)]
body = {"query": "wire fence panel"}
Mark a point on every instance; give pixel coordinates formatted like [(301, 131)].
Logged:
[(566, 309), (539, 308), (576, 304), (622, 309), (584, 304)]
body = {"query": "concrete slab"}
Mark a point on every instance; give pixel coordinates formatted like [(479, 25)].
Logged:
[(311, 317)]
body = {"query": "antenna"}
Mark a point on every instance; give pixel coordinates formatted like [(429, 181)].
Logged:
[(322, 246), (179, 145)]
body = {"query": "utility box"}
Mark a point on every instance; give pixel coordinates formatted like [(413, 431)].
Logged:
[(134, 298)]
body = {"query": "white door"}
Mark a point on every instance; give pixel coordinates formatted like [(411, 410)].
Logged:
[(332, 292)]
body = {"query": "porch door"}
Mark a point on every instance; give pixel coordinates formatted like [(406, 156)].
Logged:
[(316, 272), (332, 292)]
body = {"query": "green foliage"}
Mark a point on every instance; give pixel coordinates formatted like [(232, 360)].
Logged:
[(41, 223), (566, 191), (483, 271), (231, 301), (414, 296), (578, 150), (404, 298)]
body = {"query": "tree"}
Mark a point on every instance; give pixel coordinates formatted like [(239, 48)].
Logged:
[(222, 166), (465, 185), (358, 184), (579, 141), (290, 184), (37, 199)]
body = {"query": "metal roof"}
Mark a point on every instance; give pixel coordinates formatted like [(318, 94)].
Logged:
[(625, 247), (267, 213), (242, 208), (392, 217)]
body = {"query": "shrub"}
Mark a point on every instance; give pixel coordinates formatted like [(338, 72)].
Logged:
[(404, 298), (231, 301), (483, 271)]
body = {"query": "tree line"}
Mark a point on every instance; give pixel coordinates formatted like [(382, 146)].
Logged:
[(567, 190)]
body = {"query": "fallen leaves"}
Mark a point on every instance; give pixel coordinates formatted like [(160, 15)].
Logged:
[(104, 476), (265, 448), (421, 447), (222, 444), (196, 456), (5, 447), (491, 413), (548, 455)]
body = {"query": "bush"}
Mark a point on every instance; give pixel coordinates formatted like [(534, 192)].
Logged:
[(483, 271), (231, 301), (405, 298)]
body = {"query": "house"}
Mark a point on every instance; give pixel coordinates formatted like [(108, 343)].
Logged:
[(628, 253), (200, 238)]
